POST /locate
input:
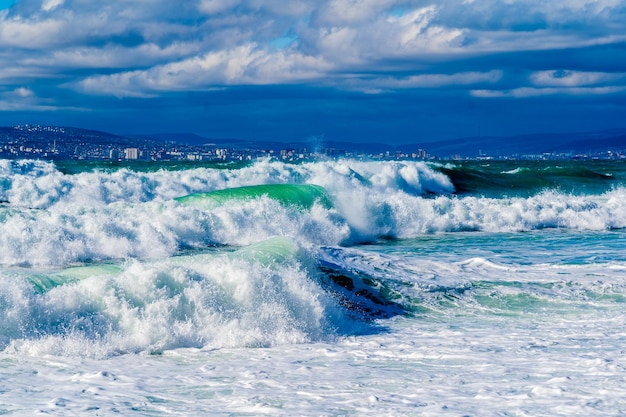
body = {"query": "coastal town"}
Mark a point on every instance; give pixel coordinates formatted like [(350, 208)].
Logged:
[(63, 143), (46, 142)]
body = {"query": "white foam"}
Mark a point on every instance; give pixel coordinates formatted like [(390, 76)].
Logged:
[(57, 219), (37, 184), (538, 330), (201, 301), (455, 365)]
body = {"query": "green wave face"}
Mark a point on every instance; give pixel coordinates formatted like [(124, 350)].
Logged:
[(303, 196), (277, 250), (272, 252), (42, 283)]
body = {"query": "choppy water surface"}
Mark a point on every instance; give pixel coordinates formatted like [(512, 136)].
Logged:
[(325, 288)]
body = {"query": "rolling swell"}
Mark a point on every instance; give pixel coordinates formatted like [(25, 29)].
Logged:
[(524, 178), (299, 195)]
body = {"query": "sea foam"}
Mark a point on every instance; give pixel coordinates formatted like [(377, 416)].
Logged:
[(51, 218), (259, 296)]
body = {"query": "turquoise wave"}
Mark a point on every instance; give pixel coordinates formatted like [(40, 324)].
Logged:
[(303, 196), (44, 282)]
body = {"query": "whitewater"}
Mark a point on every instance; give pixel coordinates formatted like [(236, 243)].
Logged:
[(325, 288)]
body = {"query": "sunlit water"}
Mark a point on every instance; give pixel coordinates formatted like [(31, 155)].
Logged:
[(408, 289)]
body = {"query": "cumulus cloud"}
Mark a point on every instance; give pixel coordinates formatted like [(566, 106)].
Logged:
[(326, 55), (143, 48), (247, 64), (29, 33), (342, 12), (49, 5)]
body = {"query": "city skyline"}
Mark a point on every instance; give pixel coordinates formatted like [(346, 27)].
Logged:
[(394, 71), (69, 143)]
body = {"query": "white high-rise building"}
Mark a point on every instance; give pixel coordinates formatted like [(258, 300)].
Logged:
[(131, 153)]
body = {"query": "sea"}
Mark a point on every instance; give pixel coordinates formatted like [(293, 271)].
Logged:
[(336, 287)]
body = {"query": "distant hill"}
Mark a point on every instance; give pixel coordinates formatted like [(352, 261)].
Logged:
[(193, 139), (65, 134), (587, 142), (185, 138), (609, 143)]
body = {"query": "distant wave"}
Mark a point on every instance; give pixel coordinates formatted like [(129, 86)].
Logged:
[(498, 178)]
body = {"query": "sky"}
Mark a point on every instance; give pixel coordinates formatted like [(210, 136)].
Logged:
[(391, 71)]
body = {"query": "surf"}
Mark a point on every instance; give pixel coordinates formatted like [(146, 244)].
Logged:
[(525, 178), (303, 196)]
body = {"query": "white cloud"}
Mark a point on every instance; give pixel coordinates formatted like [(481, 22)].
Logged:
[(342, 12), (29, 34), (562, 82), (216, 6), (537, 40), (25, 99), (558, 10), (9, 105), (49, 5), (410, 35), (413, 25), (246, 64), (526, 92), (568, 78), (383, 84), (113, 56), (13, 75), (23, 92), (156, 45)]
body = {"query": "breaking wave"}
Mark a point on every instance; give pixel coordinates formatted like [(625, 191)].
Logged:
[(54, 219)]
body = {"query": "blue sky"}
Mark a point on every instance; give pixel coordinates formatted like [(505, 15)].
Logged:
[(395, 71)]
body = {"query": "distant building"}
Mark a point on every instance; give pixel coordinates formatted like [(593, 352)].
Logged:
[(131, 153), (221, 153)]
